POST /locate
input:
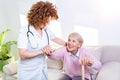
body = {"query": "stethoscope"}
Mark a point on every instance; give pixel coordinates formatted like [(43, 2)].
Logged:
[(33, 37)]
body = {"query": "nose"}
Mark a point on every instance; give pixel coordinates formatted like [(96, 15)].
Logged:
[(69, 42)]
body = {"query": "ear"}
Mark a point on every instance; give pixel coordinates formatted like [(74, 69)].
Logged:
[(80, 44)]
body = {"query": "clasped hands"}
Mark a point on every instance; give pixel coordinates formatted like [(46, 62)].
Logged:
[(48, 50)]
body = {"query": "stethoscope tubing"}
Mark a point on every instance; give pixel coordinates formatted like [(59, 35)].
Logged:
[(33, 34)]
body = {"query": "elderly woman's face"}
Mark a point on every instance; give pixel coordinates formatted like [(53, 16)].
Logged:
[(73, 44)]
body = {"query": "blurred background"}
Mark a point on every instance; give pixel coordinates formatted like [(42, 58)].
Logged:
[(98, 21)]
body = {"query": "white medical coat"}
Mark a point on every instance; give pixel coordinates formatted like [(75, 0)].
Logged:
[(33, 68)]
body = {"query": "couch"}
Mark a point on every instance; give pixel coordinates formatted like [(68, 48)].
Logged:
[(108, 55)]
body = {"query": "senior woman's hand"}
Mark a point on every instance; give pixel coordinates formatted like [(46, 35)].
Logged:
[(48, 50), (86, 61)]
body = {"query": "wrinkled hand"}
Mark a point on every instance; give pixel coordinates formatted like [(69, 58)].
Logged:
[(48, 50), (86, 61)]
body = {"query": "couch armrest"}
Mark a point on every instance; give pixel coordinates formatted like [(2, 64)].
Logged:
[(10, 68)]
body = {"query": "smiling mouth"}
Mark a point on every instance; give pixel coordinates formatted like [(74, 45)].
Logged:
[(69, 47)]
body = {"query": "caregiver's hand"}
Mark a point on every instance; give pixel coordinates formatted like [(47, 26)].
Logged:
[(48, 50)]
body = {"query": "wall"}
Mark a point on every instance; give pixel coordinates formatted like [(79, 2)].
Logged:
[(100, 15), (9, 18), (97, 20)]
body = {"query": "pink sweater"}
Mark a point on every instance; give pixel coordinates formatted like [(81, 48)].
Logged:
[(72, 66)]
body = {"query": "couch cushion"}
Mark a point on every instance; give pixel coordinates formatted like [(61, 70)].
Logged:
[(11, 77), (109, 71), (57, 64), (11, 68), (95, 50), (54, 74), (110, 53)]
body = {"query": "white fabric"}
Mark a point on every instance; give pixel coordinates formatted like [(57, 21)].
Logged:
[(39, 40), (109, 71), (11, 68), (33, 68), (54, 74), (110, 53), (56, 64)]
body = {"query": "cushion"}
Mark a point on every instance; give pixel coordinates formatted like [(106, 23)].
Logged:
[(95, 50), (109, 71), (57, 64), (11, 77), (54, 74), (11, 68), (111, 53)]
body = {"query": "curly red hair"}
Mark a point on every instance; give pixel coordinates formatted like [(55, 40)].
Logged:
[(40, 12)]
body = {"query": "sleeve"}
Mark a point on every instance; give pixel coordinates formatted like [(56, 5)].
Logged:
[(58, 54), (22, 38)]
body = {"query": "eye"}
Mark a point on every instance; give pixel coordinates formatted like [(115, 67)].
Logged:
[(68, 40), (73, 41)]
